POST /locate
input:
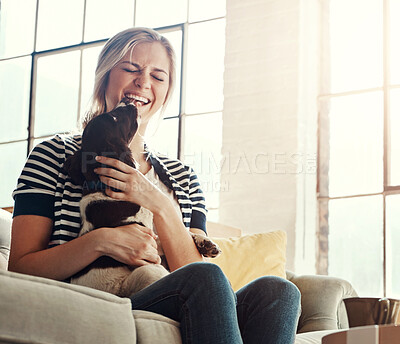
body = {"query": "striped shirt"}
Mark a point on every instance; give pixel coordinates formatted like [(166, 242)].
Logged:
[(44, 189)]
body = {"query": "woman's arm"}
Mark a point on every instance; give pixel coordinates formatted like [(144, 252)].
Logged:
[(177, 243), (130, 244)]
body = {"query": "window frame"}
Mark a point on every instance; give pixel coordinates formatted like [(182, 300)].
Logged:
[(323, 197), (35, 55)]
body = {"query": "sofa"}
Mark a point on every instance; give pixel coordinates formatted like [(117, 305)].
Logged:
[(40, 310)]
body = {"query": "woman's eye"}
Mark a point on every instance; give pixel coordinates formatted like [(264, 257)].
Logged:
[(130, 70), (158, 78)]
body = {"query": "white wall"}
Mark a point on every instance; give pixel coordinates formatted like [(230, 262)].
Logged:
[(267, 139)]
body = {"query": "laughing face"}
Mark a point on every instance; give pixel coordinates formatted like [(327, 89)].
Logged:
[(142, 77)]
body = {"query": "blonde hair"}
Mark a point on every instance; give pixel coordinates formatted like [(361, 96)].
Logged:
[(113, 52)]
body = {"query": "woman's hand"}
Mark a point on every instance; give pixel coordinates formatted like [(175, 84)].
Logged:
[(132, 244), (133, 185)]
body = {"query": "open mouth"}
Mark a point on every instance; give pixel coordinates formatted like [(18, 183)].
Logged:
[(136, 100)]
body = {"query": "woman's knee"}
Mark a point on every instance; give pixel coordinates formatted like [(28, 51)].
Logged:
[(205, 271), (207, 275), (275, 288)]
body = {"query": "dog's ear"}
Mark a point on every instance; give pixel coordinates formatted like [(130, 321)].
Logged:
[(73, 167), (124, 154)]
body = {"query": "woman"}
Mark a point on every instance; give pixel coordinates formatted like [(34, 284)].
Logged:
[(139, 64)]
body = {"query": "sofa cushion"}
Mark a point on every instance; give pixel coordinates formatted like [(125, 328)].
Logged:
[(248, 257), (155, 328), (40, 310)]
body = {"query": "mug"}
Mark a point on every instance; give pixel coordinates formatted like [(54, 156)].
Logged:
[(364, 311)]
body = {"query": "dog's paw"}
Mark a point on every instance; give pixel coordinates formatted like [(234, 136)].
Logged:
[(205, 246)]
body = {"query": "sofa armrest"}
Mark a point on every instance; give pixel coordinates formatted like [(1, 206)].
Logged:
[(5, 238), (3, 262), (322, 302), (40, 310)]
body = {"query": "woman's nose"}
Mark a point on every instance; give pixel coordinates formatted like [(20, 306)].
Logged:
[(143, 81)]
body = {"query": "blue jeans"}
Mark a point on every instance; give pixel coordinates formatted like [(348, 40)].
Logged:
[(200, 297)]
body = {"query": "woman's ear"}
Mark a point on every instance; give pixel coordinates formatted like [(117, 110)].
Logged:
[(166, 97)]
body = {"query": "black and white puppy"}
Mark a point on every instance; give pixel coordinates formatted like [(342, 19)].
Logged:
[(109, 134)]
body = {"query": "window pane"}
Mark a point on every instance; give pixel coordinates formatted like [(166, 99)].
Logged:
[(12, 160), (41, 139), (15, 77), (355, 47), (205, 70), (158, 13), (162, 136), (206, 9), (394, 137), (356, 243), (394, 6), (356, 144), (89, 62), (175, 38), (57, 93), (17, 27), (393, 244), (105, 18), (59, 23), (202, 151), (213, 215)]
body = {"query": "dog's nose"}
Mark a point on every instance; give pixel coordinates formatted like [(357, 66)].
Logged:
[(124, 101)]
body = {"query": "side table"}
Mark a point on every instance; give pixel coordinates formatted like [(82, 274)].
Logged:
[(377, 334)]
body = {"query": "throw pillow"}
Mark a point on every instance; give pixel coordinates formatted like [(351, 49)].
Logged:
[(248, 257)]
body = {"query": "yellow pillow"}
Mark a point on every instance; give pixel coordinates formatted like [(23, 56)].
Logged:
[(248, 257)]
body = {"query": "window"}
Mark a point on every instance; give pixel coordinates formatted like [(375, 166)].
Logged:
[(359, 161), (47, 71)]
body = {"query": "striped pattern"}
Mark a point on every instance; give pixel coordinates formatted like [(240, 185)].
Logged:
[(185, 184), (43, 179)]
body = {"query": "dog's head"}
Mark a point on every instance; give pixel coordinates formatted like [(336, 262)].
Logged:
[(108, 134), (118, 126)]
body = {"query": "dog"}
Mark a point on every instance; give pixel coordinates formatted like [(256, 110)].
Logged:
[(109, 134)]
